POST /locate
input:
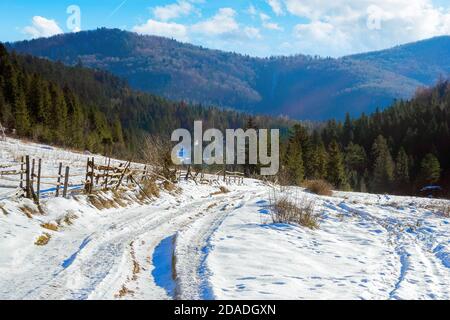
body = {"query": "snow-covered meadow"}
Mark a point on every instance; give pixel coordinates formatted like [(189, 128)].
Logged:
[(203, 244)]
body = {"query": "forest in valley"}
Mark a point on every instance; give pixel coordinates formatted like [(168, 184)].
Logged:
[(398, 150)]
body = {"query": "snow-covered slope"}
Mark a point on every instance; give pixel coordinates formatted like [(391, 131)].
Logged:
[(203, 244), (367, 247)]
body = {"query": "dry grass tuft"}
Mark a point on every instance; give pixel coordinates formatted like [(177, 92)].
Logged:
[(287, 210), (102, 203), (444, 210), (119, 199), (43, 239), (151, 188), (29, 212), (2, 208), (50, 226), (95, 202), (222, 190), (169, 186), (212, 205), (123, 292), (69, 217), (319, 187)]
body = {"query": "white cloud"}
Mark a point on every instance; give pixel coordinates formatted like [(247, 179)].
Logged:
[(163, 29), (252, 33), (341, 27), (223, 22), (173, 11), (42, 27), (266, 23), (276, 6), (252, 10)]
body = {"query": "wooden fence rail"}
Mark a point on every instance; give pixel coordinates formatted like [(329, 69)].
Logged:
[(96, 176)]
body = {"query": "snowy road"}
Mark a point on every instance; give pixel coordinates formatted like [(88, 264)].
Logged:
[(99, 258)]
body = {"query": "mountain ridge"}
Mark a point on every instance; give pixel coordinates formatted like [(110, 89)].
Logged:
[(301, 87)]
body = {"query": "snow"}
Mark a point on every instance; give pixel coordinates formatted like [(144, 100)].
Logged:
[(200, 244), (367, 247)]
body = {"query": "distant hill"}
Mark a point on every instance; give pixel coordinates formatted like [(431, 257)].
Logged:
[(300, 86), (422, 61)]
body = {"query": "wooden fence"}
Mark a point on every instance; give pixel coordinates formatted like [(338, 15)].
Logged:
[(227, 177), (28, 174)]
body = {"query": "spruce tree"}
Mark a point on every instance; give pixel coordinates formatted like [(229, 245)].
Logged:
[(294, 160), (430, 169), (336, 171), (383, 168), (402, 170), (21, 117), (348, 130)]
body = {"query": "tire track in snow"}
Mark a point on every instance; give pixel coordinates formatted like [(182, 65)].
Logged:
[(193, 246), (97, 270), (412, 246)]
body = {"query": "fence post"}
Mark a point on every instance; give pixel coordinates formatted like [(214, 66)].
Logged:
[(87, 174), (21, 171), (66, 182), (123, 173), (38, 193), (224, 172), (107, 173), (32, 173), (92, 176), (27, 177), (59, 179), (144, 177), (187, 172)]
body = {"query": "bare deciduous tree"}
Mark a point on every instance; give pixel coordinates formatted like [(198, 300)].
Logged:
[(157, 154)]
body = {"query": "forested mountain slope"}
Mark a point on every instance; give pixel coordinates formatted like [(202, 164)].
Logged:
[(301, 87)]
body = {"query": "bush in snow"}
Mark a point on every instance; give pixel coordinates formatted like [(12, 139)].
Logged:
[(287, 209), (319, 187)]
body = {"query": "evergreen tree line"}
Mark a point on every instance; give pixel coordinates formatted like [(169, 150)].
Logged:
[(399, 150)]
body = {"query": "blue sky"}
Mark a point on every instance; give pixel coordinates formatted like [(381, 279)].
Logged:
[(257, 27)]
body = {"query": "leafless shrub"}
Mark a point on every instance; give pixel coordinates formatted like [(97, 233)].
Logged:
[(319, 187), (157, 153), (289, 209)]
